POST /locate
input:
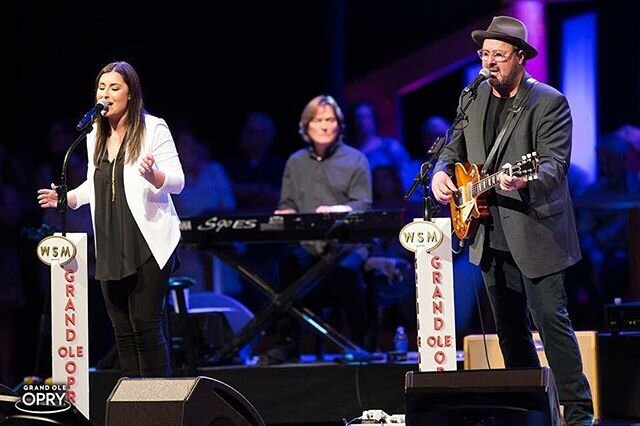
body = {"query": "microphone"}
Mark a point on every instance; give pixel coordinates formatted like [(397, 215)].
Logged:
[(482, 76), (89, 116)]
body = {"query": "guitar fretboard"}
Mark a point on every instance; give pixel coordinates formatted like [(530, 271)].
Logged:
[(485, 184)]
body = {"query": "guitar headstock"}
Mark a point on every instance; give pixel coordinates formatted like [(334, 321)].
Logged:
[(526, 168)]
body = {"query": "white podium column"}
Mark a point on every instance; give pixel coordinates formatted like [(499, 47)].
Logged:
[(69, 324), (435, 307)]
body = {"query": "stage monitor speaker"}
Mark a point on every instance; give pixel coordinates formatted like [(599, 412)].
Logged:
[(525, 397), (4, 390), (620, 382), (199, 401), (8, 399), (475, 358)]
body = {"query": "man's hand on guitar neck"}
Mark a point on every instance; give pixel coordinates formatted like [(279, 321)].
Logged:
[(443, 187), (511, 183)]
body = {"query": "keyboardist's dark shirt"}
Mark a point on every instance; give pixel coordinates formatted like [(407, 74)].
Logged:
[(342, 177)]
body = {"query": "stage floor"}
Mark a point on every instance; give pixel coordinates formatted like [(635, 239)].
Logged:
[(295, 394), (314, 394)]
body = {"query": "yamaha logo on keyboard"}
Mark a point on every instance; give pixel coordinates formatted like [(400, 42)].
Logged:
[(218, 224)]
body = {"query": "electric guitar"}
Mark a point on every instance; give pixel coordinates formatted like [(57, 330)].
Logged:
[(468, 205)]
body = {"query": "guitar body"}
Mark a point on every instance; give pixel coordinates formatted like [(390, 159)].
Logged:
[(469, 204), (466, 210)]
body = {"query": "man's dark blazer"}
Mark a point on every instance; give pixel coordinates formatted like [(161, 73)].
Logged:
[(538, 220)]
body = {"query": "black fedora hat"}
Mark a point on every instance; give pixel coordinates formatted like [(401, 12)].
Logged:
[(507, 29)]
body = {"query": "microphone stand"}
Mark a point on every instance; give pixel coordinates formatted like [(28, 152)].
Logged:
[(61, 189), (423, 177), (61, 207)]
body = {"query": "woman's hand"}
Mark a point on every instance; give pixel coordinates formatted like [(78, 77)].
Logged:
[(48, 198), (154, 176)]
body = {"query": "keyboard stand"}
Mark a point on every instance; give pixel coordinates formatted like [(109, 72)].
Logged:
[(284, 301)]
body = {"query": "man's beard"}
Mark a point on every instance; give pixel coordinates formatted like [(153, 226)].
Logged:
[(506, 84)]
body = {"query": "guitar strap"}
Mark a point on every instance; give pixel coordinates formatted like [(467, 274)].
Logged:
[(510, 122)]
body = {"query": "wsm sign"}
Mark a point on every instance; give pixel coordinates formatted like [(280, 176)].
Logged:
[(56, 248), (420, 233)]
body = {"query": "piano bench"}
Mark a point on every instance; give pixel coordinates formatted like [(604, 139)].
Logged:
[(179, 291)]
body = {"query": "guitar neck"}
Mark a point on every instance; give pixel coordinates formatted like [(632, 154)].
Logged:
[(526, 168), (483, 185)]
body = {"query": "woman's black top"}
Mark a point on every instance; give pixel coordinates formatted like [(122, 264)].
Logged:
[(120, 247)]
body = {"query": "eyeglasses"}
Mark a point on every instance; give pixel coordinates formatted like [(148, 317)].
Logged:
[(498, 55)]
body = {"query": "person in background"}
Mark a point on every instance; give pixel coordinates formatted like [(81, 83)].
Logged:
[(431, 129), (209, 192), (60, 138), (379, 150), (388, 270), (327, 176), (132, 171), (209, 186), (529, 239), (12, 297), (256, 174), (605, 232)]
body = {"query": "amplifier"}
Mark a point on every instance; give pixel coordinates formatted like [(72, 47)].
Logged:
[(622, 316), (475, 358)]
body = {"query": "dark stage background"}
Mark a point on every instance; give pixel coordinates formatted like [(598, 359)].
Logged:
[(208, 65)]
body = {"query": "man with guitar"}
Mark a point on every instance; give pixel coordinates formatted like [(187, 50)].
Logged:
[(528, 238)]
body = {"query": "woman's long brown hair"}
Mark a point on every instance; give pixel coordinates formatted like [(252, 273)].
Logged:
[(135, 115)]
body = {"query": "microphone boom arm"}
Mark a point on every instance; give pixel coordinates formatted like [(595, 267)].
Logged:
[(61, 188)]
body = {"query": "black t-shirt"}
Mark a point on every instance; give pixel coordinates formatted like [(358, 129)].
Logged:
[(497, 112)]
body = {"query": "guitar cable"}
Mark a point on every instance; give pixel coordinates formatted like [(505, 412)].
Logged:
[(484, 332), (460, 244), (474, 283)]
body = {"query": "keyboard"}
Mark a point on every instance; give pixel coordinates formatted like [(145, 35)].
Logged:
[(214, 229)]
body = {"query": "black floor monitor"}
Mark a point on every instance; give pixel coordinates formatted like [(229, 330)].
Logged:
[(498, 397)]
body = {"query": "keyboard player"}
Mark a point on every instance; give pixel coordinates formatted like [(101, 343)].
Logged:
[(326, 176)]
